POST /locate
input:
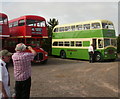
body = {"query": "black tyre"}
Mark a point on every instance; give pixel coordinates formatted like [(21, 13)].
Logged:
[(98, 57), (63, 54), (111, 60), (44, 62)]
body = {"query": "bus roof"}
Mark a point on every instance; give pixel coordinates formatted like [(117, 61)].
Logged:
[(33, 17), (3, 15), (84, 22)]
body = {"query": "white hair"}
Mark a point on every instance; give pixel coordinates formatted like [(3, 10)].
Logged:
[(20, 47)]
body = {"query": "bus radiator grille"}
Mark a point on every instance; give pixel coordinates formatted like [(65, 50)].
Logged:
[(39, 56)]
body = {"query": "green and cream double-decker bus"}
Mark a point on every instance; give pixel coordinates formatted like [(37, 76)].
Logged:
[(73, 40)]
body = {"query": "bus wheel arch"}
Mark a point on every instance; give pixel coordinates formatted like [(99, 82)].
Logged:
[(97, 57), (62, 54)]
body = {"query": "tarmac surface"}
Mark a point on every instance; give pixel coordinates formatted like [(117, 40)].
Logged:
[(73, 78)]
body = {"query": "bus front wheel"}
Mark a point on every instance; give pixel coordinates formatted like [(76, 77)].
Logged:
[(44, 62), (63, 54), (98, 57)]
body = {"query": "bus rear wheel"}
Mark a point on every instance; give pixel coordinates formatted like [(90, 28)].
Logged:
[(98, 57), (63, 54)]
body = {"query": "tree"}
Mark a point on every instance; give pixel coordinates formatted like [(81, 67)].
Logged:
[(51, 24), (118, 44), (48, 42)]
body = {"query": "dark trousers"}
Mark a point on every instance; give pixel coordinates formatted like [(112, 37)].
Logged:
[(22, 89), (91, 55)]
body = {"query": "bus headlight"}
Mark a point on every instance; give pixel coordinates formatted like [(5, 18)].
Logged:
[(115, 52), (46, 54), (106, 52)]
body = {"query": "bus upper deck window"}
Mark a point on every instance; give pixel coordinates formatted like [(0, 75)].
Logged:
[(5, 21), (61, 29), (30, 22), (104, 25), (67, 28), (78, 27), (41, 23), (2, 20), (86, 26), (73, 28), (95, 25), (21, 22), (56, 30), (110, 26)]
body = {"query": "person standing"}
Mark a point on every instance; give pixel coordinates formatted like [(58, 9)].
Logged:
[(5, 57), (91, 53), (22, 70)]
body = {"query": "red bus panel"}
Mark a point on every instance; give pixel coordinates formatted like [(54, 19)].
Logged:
[(30, 30), (4, 28), (28, 26)]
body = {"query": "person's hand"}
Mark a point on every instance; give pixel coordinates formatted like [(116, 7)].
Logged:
[(29, 47), (5, 96), (32, 50)]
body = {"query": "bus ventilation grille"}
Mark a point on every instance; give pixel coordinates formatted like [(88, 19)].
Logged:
[(39, 56)]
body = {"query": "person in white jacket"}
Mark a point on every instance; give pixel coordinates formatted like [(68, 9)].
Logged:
[(5, 57), (91, 53)]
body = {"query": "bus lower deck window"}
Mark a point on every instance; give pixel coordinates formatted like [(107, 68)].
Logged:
[(78, 43), (100, 43), (60, 43), (66, 43), (72, 43)]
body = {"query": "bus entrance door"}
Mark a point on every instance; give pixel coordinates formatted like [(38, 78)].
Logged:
[(94, 42)]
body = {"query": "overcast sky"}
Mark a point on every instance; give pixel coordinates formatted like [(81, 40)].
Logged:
[(69, 11)]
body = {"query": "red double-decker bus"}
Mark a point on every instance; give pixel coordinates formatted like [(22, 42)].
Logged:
[(30, 30), (4, 29)]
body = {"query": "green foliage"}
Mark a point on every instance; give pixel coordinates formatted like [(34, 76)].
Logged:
[(51, 24), (118, 44), (48, 42)]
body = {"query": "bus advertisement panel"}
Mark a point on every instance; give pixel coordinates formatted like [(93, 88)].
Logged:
[(73, 40)]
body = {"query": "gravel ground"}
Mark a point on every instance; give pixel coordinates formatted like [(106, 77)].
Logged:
[(73, 78)]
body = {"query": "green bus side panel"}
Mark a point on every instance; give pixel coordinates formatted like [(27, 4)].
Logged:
[(72, 53), (109, 33), (56, 51), (85, 34), (78, 34), (86, 43), (83, 53)]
